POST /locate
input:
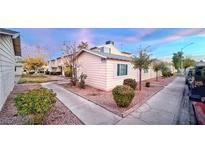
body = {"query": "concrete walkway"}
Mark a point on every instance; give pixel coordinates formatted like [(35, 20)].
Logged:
[(162, 108), (86, 111)]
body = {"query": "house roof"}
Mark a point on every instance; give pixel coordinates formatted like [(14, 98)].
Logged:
[(106, 55), (16, 39)]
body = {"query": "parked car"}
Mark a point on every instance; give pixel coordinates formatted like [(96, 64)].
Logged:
[(189, 74), (197, 90)]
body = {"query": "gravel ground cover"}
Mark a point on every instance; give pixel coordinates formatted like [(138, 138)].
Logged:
[(105, 98), (59, 114)]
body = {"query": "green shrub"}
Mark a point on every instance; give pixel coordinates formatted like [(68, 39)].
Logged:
[(147, 84), (166, 72), (68, 71), (82, 80), (35, 103), (123, 95), (130, 82)]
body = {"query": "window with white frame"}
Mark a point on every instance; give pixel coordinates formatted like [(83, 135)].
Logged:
[(122, 69)]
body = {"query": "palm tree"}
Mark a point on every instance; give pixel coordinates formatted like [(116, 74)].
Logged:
[(177, 60), (157, 66), (83, 45), (142, 63)]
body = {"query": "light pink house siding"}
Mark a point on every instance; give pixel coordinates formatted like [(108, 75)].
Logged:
[(112, 78), (94, 68), (102, 74)]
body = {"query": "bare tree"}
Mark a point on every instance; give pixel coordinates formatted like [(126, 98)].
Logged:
[(70, 52)]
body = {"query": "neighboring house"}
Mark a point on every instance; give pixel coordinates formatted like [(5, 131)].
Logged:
[(56, 65), (9, 48)]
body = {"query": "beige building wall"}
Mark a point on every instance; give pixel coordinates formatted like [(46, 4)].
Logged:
[(7, 67), (102, 74), (114, 80), (94, 68)]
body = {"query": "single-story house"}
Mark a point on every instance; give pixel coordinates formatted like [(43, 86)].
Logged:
[(105, 71), (107, 67), (9, 48)]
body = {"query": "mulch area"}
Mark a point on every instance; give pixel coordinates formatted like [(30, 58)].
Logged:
[(59, 114), (105, 98)]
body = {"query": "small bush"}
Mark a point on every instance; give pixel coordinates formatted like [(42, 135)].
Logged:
[(123, 95), (147, 84), (68, 71), (166, 72), (82, 80), (130, 82), (35, 104)]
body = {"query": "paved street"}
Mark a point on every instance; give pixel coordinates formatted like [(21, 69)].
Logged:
[(186, 113), (162, 108)]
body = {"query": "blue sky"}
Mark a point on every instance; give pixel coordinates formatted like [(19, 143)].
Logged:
[(163, 41)]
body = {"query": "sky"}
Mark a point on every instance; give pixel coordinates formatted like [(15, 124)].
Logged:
[(163, 42)]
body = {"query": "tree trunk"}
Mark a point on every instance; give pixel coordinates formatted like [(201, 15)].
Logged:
[(140, 79), (156, 75)]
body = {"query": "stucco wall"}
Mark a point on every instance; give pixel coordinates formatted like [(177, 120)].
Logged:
[(94, 68), (7, 67)]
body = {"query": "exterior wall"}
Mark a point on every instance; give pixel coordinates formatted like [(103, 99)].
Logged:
[(18, 70), (57, 65), (114, 80), (103, 74), (94, 68), (7, 67)]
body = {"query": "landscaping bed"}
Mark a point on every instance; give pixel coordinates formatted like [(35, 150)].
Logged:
[(59, 114), (105, 98)]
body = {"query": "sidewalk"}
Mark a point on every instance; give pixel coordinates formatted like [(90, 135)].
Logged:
[(161, 109), (86, 111)]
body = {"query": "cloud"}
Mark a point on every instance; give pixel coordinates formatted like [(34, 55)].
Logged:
[(182, 34), (85, 35), (140, 34), (179, 35)]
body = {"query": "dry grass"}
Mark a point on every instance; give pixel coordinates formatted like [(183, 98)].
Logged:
[(33, 79)]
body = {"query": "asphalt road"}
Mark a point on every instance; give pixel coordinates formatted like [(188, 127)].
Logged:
[(186, 112)]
